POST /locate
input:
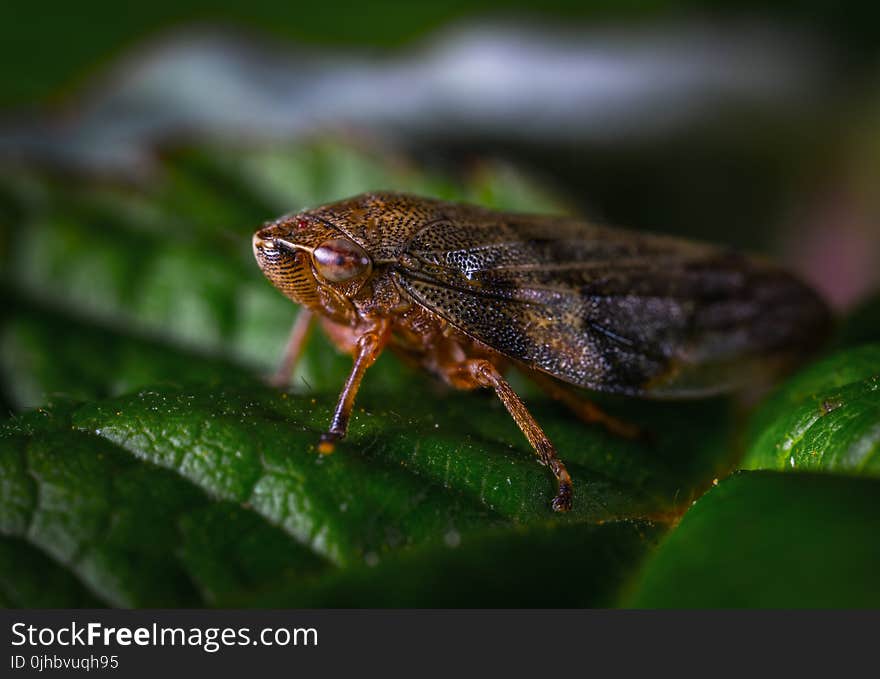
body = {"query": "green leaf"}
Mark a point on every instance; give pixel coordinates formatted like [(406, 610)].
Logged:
[(826, 417), (132, 534), (30, 579), (559, 565), (93, 361), (766, 539), (128, 493)]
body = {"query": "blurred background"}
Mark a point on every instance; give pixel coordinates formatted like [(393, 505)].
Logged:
[(742, 122)]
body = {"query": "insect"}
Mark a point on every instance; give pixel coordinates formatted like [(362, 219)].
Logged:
[(466, 292)]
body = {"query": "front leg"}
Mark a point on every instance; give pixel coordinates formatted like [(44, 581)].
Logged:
[(367, 348), (480, 372)]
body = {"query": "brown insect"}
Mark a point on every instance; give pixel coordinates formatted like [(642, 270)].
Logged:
[(466, 292)]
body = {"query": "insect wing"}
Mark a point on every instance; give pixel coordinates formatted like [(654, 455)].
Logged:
[(607, 309)]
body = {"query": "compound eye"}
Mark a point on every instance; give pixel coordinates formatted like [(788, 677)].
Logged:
[(339, 260)]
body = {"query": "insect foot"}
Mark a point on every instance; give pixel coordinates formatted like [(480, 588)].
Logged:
[(327, 442), (562, 501)]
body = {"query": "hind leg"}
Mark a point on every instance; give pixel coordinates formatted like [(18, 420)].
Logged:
[(478, 372), (583, 408)]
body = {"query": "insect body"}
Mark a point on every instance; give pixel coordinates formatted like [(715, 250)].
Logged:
[(466, 292)]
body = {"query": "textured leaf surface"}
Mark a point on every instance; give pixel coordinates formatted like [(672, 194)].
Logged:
[(192, 495), (826, 417)]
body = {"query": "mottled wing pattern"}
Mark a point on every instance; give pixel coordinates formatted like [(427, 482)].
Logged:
[(606, 309)]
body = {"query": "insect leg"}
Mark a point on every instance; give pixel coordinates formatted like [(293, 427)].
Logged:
[(487, 375), (369, 346), (583, 408), (296, 342)]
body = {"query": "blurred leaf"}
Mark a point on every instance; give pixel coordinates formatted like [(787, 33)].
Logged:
[(765, 539), (30, 579), (93, 361), (826, 417), (564, 566)]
